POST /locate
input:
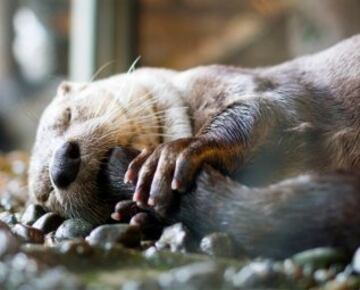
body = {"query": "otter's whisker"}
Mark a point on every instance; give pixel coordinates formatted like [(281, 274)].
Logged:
[(101, 69)]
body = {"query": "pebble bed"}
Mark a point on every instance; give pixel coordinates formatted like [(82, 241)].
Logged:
[(41, 250)]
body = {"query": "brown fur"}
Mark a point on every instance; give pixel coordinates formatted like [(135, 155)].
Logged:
[(259, 126)]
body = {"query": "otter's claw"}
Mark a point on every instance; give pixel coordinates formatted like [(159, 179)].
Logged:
[(158, 172), (127, 211)]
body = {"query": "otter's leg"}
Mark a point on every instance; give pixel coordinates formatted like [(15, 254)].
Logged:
[(224, 142)]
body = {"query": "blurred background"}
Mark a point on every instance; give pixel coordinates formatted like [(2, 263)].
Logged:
[(43, 42)]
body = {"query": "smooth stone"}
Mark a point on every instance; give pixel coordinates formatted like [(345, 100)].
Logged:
[(319, 257), (32, 213), (8, 218), (28, 234), (9, 202), (323, 275), (48, 222), (151, 253), (356, 261), (217, 245), (4, 274), (78, 247), (200, 275), (292, 270), (73, 229), (258, 274), (58, 278), (9, 243), (175, 237), (128, 236), (22, 262)]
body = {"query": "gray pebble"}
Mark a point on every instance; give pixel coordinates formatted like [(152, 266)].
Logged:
[(356, 261), (28, 234), (48, 222), (217, 245), (31, 214), (78, 247), (175, 237), (319, 257), (201, 275), (57, 278), (127, 235), (25, 273), (72, 229), (22, 262), (9, 243), (323, 275), (8, 218), (258, 274), (292, 270), (10, 202)]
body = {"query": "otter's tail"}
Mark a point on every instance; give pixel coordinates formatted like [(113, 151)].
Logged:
[(279, 220)]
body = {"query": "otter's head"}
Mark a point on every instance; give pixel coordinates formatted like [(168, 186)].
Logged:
[(75, 135)]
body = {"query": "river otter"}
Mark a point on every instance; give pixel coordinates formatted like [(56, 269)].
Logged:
[(276, 221), (257, 126)]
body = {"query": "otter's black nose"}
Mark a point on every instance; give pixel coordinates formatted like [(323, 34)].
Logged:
[(65, 165)]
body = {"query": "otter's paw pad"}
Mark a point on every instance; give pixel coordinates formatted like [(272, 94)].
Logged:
[(125, 210)]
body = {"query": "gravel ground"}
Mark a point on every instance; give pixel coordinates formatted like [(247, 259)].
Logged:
[(41, 250)]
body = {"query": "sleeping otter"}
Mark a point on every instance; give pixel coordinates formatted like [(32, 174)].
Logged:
[(257, 126)]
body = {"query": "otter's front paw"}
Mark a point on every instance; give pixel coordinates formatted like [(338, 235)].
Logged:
[(170, 167), (127, 211)]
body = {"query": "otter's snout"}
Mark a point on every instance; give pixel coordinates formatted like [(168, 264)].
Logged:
[(65, 165)]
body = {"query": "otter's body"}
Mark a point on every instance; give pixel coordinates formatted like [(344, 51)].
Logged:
[(305, 113), (307, 211), (258, 126)]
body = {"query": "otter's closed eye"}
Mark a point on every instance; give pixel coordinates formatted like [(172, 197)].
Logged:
[(67, 115)]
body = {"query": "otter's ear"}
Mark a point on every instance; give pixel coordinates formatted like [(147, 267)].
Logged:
[(66, 88)]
